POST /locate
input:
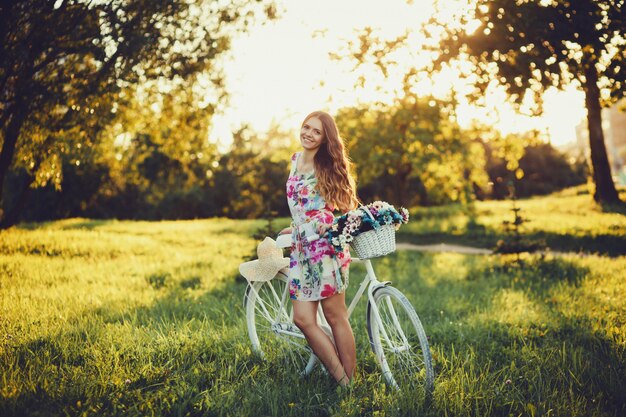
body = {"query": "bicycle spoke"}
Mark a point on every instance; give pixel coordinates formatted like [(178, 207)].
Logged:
[(400, 348), (271, 328), (398, 352)]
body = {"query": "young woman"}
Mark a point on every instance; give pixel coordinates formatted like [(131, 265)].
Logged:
[(320, 182)]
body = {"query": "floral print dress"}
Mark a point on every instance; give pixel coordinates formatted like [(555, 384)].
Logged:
[(316, 269)]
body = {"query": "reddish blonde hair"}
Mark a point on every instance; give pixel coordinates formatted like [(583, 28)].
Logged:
[(333, 167)]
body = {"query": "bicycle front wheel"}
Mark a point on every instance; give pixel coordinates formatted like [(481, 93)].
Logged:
[(269, 317), (399, 342)]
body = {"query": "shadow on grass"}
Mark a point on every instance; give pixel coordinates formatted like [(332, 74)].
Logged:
[(490, 321), (188, 354), (567, 357), (618, 208), (157, 347)]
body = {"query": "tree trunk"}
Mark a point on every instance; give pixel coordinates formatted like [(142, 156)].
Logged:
[(11, 134), (402, 185), (13, 215), (605, 188)]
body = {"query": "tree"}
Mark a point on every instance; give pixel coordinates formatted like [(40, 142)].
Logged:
[(411, 144), (159, 154), (65, 65), (544, 169), (528, 46), (248, 183)]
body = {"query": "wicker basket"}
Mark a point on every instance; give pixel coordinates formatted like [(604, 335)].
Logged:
[(375, 243)]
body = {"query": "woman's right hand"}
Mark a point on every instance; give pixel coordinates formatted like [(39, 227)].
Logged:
[(285, 231)]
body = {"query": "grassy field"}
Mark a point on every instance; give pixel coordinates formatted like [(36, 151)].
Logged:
[(146, 318), (568, 221)]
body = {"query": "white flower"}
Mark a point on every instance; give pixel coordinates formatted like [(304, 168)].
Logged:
[(405, 214), (354, 219), (380, 205)]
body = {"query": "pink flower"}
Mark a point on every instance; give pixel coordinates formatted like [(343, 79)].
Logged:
[(328, 290), (317, 257), (328, 218)]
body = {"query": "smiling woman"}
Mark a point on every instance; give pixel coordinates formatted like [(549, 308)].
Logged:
[(319, 182), (312, 134)]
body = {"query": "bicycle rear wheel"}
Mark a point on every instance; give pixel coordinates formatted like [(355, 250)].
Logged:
[(399, 342), (269, 316)]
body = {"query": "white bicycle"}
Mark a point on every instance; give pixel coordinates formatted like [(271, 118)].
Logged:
[(396, 335)]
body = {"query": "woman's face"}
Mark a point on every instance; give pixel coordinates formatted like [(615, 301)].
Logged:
[(312, 134)]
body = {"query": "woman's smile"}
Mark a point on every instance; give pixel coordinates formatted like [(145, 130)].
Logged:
[(312, 133)]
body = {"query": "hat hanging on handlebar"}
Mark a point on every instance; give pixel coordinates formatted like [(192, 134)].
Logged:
[(270, 261)]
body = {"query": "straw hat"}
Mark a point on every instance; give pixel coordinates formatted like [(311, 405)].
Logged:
[(270, 261)]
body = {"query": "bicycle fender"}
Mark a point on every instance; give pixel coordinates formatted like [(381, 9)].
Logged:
[(380, 285)]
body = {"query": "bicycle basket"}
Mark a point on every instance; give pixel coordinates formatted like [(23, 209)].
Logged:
[(375, 243)]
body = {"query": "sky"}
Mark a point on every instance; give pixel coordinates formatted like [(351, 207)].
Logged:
[(281, 70)]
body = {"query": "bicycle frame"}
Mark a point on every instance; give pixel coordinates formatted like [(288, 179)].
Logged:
[(386, 331), (370, 283)]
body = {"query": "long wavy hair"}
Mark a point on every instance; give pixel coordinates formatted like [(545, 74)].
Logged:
[(333, 168)]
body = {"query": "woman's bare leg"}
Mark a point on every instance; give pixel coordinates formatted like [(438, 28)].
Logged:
[(305, 317), (336, 315)]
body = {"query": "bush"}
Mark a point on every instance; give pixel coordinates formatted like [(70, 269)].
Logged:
[(545, 170)]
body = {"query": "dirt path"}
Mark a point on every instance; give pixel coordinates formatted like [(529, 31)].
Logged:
[(444, 247), (470, 250)]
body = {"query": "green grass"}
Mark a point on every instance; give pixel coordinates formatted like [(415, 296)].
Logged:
[(146, 318), (567, 221)]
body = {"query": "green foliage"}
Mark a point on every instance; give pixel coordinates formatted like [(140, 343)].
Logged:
[(69, 68), (536, 167), (411, 152), (149, 176), (533, 45), (529, 46), (516, 243), (83, 331), (250, 184)]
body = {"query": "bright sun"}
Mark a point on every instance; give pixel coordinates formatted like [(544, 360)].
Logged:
[(281, 71)]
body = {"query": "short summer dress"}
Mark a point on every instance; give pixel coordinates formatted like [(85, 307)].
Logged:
[(316, 270)]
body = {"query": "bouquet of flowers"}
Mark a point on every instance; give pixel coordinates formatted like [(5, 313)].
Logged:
[(345, 228)]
